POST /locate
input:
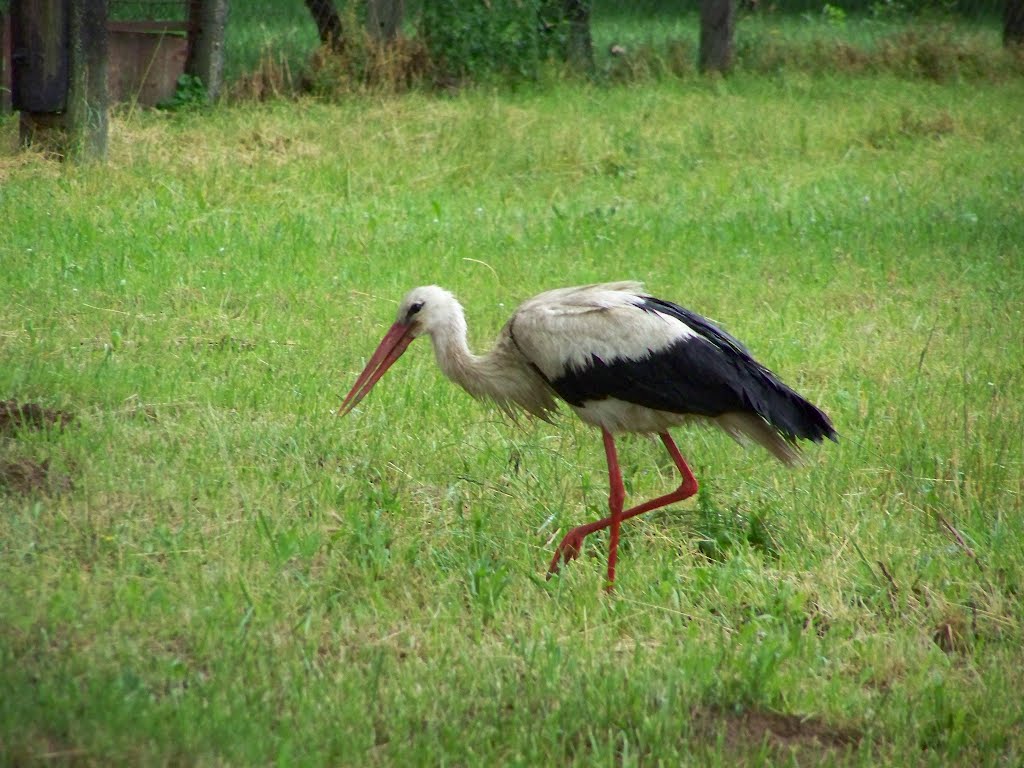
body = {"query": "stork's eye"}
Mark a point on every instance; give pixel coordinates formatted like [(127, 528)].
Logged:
[(414, 309)]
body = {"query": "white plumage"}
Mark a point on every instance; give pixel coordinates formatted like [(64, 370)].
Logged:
[(566, 327), (624, 361)]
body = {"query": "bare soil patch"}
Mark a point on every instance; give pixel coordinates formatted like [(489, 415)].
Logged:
[(25, 476), (15, 416), (788, 733)]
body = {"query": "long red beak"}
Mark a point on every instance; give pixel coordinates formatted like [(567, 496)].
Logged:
[(391, 347)]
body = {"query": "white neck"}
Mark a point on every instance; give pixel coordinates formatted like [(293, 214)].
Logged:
[(501, 374), (457, 361)]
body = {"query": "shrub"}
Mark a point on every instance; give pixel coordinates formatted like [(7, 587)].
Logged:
[(473, 39)]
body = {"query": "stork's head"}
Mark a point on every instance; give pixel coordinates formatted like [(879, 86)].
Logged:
[(424, 310)]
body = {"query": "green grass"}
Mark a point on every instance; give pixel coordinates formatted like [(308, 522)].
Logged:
[(219, 571)]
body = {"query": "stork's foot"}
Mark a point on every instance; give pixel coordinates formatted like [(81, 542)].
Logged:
[(569, 548)]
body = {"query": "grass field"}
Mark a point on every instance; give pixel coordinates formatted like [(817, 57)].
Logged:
[(205, 566)]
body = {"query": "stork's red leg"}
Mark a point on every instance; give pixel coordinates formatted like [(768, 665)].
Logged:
[(616, 496), (572, 543)]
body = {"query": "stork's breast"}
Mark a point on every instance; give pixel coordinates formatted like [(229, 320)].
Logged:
[(619, 416)]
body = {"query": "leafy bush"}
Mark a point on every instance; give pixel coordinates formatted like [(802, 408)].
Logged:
[(189, 93), (473, 38)]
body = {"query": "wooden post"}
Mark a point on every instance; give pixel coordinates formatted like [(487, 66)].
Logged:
[(717, 35), (207, 20), (580, 45), (5, 63), (1013, 23), (87, 89), (59, 75), (384, 19), (39, 39)]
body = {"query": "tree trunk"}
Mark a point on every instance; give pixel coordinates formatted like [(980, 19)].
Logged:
[(328, 24), (207, 20), (717, 35), (384, 19), (579, 46), (1013, 23)]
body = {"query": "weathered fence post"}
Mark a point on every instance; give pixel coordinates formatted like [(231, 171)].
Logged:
[(717, 35), (580, 45), (87, 90), (59, 74), (1013, 23), (384, 19), (5, 58), (207, 20)]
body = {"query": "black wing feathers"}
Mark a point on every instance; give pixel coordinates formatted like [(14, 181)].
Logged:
[(708, 374), (700, 324)]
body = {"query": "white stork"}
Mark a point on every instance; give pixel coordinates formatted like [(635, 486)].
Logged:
[(624, 361)]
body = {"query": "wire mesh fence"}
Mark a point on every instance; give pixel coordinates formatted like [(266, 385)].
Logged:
[(147, 10), (632, 39)]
